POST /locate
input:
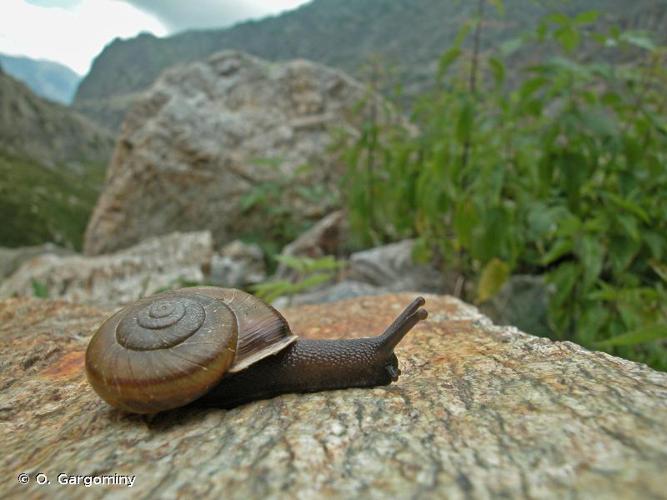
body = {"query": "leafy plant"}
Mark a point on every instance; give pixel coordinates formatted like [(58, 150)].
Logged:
[(560, 170), (39, 289), (274, 199), (311, 273)]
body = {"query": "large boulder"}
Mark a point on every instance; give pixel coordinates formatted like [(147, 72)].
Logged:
[(223, 145), (157, 263), (480, 411)]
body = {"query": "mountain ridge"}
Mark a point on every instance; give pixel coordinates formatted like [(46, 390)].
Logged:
[(48, 79), (46, 131), (345, 34)]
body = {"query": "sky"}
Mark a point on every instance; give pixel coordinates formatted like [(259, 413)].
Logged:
[(73, 32)]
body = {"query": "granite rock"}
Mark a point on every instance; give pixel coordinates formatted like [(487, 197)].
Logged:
[(118, 278), (342, 290), (237, 265), (393, 267), (12, 258), (522, 301), (480, 411)]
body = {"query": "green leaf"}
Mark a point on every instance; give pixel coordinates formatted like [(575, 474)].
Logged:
[(498, 70), (560, 248), (312, 281), (421, 251), (627, 205), (655, 243), (630, 227), (530, 86), (638, 336), (499, 5), (591, 253), (558, 18), (493, 277), (466, 219), (564, 278), (271, 290), (587, 17), (659, 268), (447, 59), (639, 39), (591, 321), (568, 37), (510, 46), (39, 289), (600, 122), (569, 225), (543, 220), (622, 252), (296, 263)]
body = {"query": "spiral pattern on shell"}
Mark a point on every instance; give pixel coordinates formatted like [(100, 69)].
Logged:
[(161, 324), (162, 352)]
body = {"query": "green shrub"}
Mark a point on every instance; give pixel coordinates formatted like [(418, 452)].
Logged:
[(560, 170), (311, 273)]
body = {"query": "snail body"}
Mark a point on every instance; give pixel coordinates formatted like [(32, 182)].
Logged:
[(223, 347)]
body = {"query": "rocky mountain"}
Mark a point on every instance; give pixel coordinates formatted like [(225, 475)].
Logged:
[(46, 131), (51, 168), (406, 35), (47, 79)]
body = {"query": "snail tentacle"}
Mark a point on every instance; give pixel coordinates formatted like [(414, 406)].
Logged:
[(403, 323)]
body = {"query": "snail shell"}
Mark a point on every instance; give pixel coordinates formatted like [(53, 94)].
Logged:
[(167, 350)]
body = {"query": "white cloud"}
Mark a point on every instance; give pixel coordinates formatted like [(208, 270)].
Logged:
[(72, 33), (179, 15)]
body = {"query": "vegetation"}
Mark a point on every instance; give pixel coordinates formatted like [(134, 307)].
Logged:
[(274, 199), (40, 204), (310, 274), (559, 169), (51, 168)]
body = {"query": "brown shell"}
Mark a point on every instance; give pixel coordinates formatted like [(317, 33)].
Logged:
[(167, 350)]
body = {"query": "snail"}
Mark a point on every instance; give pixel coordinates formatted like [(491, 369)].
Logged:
[(223, 347)]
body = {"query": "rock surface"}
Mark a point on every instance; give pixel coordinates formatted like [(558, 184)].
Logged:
[(12, 258), (157, 263), (342, 290), (522, 301), (480, 411), (393, 268), (237, 265), (218, 144)]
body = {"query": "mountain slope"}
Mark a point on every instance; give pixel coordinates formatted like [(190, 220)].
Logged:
[(47, 79), (52, 163), (406, 34), (45, 131)]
